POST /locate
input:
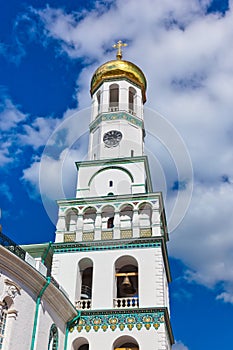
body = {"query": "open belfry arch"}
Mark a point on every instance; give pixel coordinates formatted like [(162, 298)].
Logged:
[(110, 251)]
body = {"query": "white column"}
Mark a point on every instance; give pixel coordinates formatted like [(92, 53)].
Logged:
[(138, 106), (155, 219), (116, 229), (61, 223), (98, 226), (105, 98), (79, 227), (123, 98), (136, 229)]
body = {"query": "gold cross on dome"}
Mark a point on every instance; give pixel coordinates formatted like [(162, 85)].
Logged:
[(119, 46)]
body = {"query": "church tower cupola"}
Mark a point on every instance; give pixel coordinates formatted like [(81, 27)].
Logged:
[(118, 91), (119, 69)]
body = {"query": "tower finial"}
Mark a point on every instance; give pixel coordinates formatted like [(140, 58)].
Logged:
[(119, 46)]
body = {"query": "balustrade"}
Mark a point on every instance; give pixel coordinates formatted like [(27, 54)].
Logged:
[(83, 304), (120, 303)]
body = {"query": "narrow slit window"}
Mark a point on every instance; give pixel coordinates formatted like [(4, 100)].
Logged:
[(110, 183), (98, 101), (132, 95), (114, 97)]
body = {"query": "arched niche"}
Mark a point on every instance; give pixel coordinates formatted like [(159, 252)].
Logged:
[(89, 217), (125, 343), (132, 97), (113, 97), (126, 277), (145, 214), (107, 216), (98, 95), (84, 283), (80, 343), (126, 216), (71, 217)]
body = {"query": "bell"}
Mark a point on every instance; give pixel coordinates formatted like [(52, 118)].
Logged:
[(127, 286)]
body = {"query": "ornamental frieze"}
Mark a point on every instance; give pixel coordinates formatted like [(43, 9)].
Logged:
[(104, 322)]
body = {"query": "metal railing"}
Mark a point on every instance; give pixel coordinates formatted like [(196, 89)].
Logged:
[(12, 246)]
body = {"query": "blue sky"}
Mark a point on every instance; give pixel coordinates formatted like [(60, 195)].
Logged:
[(48, 53)]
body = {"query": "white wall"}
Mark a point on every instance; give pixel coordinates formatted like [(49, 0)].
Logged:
[(93, 182), (150, 268), (147, 339)]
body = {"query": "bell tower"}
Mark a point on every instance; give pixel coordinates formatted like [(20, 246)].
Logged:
[(110, 251)]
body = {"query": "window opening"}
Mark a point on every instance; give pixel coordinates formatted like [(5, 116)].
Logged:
[(53, 338), (84, 347), (110, 183), (110, 223), (132, 94), (86, 289), (114, 97), (98, 101)]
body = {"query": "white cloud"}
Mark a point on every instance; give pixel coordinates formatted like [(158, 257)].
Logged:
[(6, 192), (38, 133), (54, 176), (10, 115), (5, 157), (179, 346), (204, 239), (19, 129), (187, 59), (52, 179)]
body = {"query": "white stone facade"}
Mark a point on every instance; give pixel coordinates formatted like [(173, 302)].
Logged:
[(20, 286)]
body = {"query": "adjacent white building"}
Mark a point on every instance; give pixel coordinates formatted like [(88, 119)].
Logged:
[(34, 311)]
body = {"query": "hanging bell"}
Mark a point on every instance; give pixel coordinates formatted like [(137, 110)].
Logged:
[(127, 286)]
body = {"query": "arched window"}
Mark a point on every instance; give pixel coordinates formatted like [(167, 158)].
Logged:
[(114, 97), (125, 343), (107, 217), (98, 101), (80, 344), (71, 219), (132, 95), (89, 217), (3, 318), (145, 213), (126, 273), (84, 294), (126, 216), (53, 338)]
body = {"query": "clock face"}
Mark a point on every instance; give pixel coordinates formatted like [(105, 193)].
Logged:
[(112, 138)]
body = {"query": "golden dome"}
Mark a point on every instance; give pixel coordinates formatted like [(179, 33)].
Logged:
[(118, 69)]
